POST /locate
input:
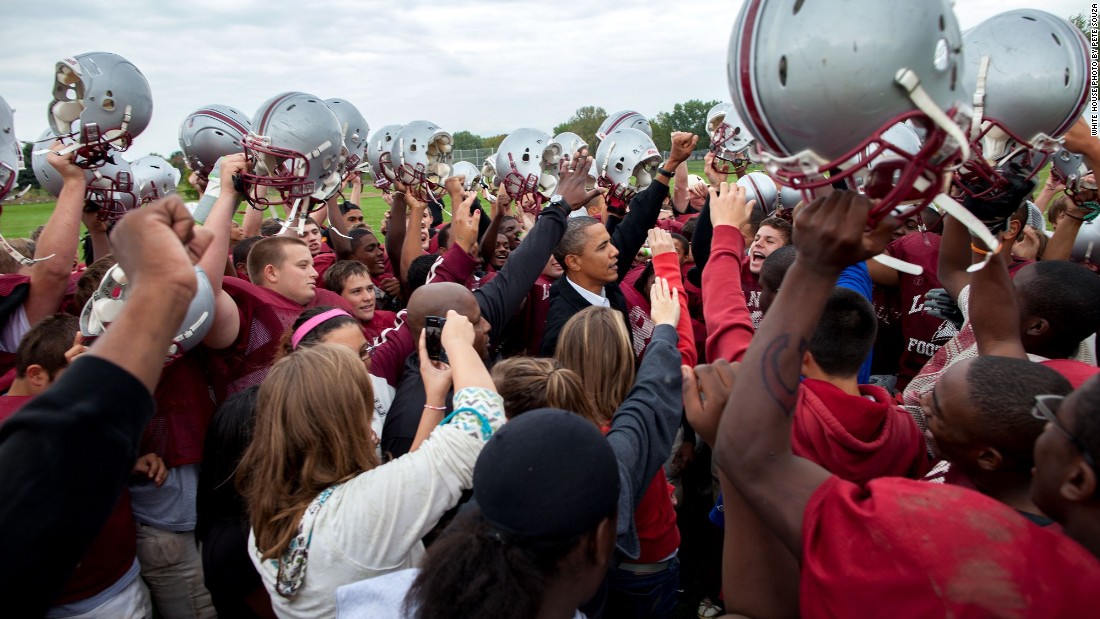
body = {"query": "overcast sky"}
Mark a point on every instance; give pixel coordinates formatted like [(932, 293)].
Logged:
[(482, 66)]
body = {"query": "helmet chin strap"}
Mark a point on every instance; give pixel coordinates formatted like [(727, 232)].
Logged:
[(290, 218), (20, 258), (909, 80), (979, 97), (950, 206)]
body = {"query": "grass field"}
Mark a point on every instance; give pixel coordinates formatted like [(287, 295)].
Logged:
[(20, 219)]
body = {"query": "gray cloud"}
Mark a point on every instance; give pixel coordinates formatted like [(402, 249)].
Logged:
[(483, 66)]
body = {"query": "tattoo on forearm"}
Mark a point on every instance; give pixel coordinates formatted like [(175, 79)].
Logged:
[(780, 373)]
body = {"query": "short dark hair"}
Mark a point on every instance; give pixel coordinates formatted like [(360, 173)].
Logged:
[(572, 241), (45, 345), (1057, 208), (443, 236), (356, 236), (337, 275), (689, 228), (270, 227), (271, 250), (1065, 295), (844, 334), (782, 225), (419, 269), (682, 241), (346, 206), (1002, 394), (776, 265), (240, 250)]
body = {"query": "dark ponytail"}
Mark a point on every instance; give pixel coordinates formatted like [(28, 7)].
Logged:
[(474, 570)]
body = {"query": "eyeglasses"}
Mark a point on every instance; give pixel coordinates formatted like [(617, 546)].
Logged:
[(1046, 409)]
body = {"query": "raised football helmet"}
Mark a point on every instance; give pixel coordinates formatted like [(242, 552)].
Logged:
[(882, 166), (107, 301), (11, 153), (100, 101), (1086, 247), (489, 172), (210, 133), (622, 120), (814, 102), (1068, 168), (1029, 71), (570, 143), (378, 156), (296, 148), (528, 162), (760, 187), (789, 197), (111, 185), (473, 175), (626, 160), (154, 178), (730, 140), (356, 131), (421, 158)]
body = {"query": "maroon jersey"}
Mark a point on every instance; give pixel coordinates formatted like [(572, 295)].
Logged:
[(922, 333), (751, 285), (185, 406), (321, 262), (381, 321), (265, 315)]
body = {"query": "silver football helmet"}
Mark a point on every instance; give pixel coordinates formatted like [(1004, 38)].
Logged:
[(626, 160), (1029, 71), (154, 178), (421, 158), (528, 162), (883, 163), (111, 185), (473, 175), (760, 187), (789, 197), (622, 120), (1068, 168), (100, 101), (11, 153), (1086, 247), (730, 139), (295, 147), (813, 102), (110, 297), (570, 144), (210, 133), (356, 131), (489, 172), (378, 156)]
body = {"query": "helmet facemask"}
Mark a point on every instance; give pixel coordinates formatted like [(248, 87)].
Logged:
[(284, 170)]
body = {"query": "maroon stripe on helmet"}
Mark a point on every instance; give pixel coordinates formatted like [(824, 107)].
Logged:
[(744, 71), (261, 127), (620, 120), (229, 120)]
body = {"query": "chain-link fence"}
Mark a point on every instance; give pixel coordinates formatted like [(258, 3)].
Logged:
[(477, 156)]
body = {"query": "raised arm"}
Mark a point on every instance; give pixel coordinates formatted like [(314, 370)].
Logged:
[(489, 239), (666, 266), (680, 189), (395, 233), (227, 319), (955, 257), (994, 314), (729, 325), (410, 247), (754, 436), (338, 232), (60, 237)]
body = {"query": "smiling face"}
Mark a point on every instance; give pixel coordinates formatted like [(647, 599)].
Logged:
[(295, 278), (359, 293), (767, 240), (501, 252), (597, 264), (552, 269), (371, 253), (354, 218), (509, 228)]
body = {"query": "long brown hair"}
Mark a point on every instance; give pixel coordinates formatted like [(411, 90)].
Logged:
[(312, 430), (527, 383), (595, 344)]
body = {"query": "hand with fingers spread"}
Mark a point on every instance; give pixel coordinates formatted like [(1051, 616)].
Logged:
[(831, 233), (728, 206), (706, 389), (660, 242), (572, 184), (152, 467), (664, 303)]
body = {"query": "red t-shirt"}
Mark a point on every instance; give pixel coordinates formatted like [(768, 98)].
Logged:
[(902, 548)]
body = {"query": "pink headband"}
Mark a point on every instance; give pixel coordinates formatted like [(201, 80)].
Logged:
[(312, 323)]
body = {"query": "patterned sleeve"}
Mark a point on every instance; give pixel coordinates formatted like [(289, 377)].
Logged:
[(477, 411)]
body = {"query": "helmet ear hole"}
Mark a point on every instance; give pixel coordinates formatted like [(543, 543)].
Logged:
[(108, 104), (783, 71), (797, 6)]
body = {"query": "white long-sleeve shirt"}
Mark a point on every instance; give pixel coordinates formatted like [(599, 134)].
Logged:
[(372, 524)]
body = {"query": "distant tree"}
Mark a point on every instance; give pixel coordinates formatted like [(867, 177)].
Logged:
[(691, 116), (662, 131), (26, 176), (464, 140), (1084, 25), (493, 141), (186, 190), (584, 122)]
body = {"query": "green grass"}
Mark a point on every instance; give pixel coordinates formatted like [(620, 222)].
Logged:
[(19, 220)]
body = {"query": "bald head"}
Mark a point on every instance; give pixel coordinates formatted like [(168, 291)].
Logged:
[(435, 299)]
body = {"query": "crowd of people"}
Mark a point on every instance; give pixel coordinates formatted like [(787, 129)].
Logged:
[(849, 370)]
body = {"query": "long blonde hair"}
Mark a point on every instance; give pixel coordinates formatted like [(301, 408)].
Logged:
[(595, 344), (312, 430), (527, 383)]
